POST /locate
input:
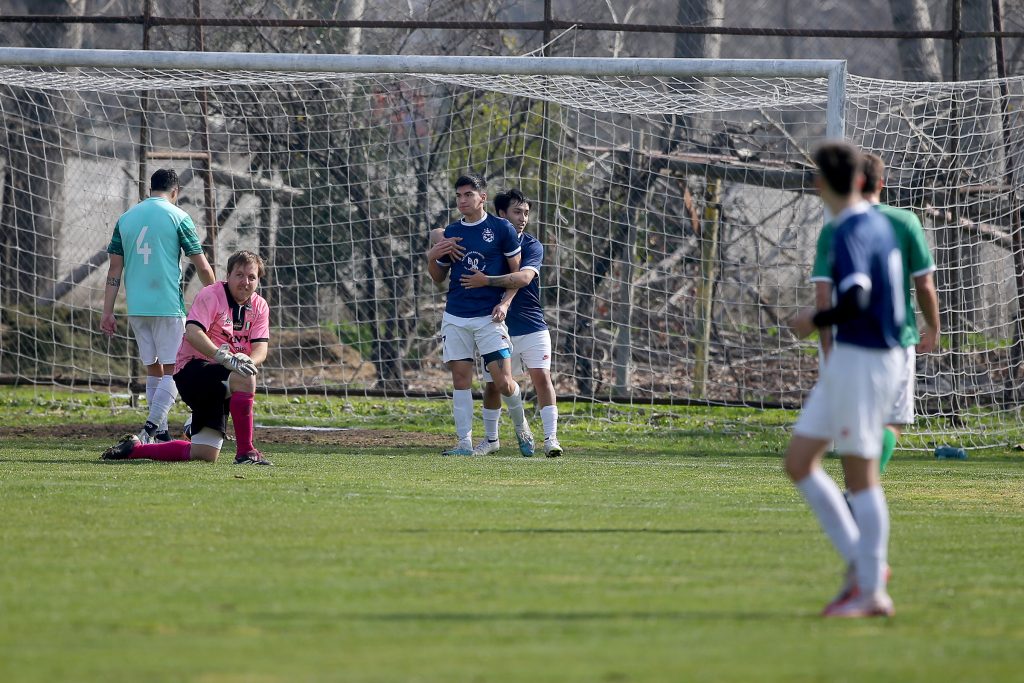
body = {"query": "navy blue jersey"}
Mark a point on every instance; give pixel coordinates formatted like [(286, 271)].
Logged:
[(489, 243), (525, 314), (865, 253)]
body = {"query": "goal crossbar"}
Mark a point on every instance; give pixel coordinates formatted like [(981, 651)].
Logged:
[(834, 70)]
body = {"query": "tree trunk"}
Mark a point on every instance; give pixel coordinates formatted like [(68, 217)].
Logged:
[(919, 60)]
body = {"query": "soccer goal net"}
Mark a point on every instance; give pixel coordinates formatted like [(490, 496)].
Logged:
[(674, 198)]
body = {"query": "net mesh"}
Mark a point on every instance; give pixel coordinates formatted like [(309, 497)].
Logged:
[(678, 215)]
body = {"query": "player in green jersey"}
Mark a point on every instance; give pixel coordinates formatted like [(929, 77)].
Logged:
[(918, 267), (145, 249)]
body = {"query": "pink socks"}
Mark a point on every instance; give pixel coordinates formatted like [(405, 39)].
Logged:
[(170, 451), (240, 407)]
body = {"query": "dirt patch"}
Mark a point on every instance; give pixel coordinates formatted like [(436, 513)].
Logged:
[(353, 438)]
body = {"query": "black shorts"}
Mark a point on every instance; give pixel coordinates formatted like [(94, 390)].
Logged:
[(202, 385)]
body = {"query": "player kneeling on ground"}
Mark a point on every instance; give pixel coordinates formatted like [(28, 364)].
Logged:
[(226, 337)]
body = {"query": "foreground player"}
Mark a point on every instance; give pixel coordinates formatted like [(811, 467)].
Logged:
[(226, 339), (531, 340), (850, 403), (918, 267), (156, 231), (474, 318)]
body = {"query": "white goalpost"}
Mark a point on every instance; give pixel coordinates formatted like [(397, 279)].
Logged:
[(674, 199)]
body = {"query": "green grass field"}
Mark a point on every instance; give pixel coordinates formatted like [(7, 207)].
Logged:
[(676, 554)]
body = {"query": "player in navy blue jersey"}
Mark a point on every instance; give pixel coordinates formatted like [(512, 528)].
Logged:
[(474, 319), (850, 403), (531, 340)]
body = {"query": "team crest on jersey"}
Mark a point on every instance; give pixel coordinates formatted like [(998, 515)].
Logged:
[(488, 235)]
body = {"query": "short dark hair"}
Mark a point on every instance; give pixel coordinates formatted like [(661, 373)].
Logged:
[(474, 180), (873, 168), (503, 201), (164, 180), (838, 163), (246, 257)]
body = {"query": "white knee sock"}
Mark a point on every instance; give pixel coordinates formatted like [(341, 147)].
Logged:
[(492, 416), (163, 398), (872, 513), (826, 500), (462, 410), (514, 403), (549, 417), (151, 385)]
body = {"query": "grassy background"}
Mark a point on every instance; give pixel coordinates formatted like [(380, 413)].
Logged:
[(666, 554)]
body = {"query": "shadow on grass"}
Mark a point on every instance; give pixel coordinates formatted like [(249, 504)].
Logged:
[(471, 617), (565, 531), (72, 461)]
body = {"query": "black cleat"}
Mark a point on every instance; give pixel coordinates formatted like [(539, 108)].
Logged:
[(122, 449), (253, 457), (162, 437)]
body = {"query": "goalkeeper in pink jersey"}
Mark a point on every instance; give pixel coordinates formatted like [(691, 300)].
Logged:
[(226, 338)]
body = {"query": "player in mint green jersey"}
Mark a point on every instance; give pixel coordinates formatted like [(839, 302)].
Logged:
[(145, 250), (918, 267)]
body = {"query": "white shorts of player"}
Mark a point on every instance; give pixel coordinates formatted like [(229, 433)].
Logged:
[(903, 407), (158, 337), (852, 399), (208, 437), (463, 337), (529, 352)]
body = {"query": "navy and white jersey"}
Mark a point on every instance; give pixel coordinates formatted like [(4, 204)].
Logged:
[(489, 243), (865, 253), (525, 314)]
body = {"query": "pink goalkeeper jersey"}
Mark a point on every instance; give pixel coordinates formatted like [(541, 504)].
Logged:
[(225, 322)]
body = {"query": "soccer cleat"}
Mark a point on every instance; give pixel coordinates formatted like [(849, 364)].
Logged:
[(461, 448), (253, 457), (162, 437), (486, 447), (122, 449), (187, 429), (850, 590), (875, 605), (552, 448), (525, 439)]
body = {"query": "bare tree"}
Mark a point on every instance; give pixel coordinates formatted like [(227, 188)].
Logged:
[(919, 59)]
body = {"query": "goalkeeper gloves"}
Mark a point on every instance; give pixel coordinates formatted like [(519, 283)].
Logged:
[(236, 362)]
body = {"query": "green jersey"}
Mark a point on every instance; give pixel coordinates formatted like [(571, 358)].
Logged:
[(156, 232), (917, 260)]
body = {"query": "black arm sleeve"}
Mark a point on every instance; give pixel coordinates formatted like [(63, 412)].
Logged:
[(851, 304)]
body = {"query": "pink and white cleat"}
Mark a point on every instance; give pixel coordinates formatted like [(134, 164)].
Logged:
[(875, 605), (850, 590)]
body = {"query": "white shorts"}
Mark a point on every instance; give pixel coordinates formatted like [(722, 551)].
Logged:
[(208, 436), (529, 352), (158, 337), (463, 337), (852, 399), (902, 412)]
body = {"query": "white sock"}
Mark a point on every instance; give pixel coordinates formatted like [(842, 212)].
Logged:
[(491, 418), (872, 514), (549, 417), (826, 500), (151, 385), (514, 403), (163, 399), (462, 410)]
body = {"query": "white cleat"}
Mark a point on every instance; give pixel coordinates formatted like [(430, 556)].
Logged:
[(552, 448), (875, 605), (486, 447)]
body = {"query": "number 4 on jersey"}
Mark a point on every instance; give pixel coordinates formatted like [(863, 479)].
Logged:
[(143, 248)]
